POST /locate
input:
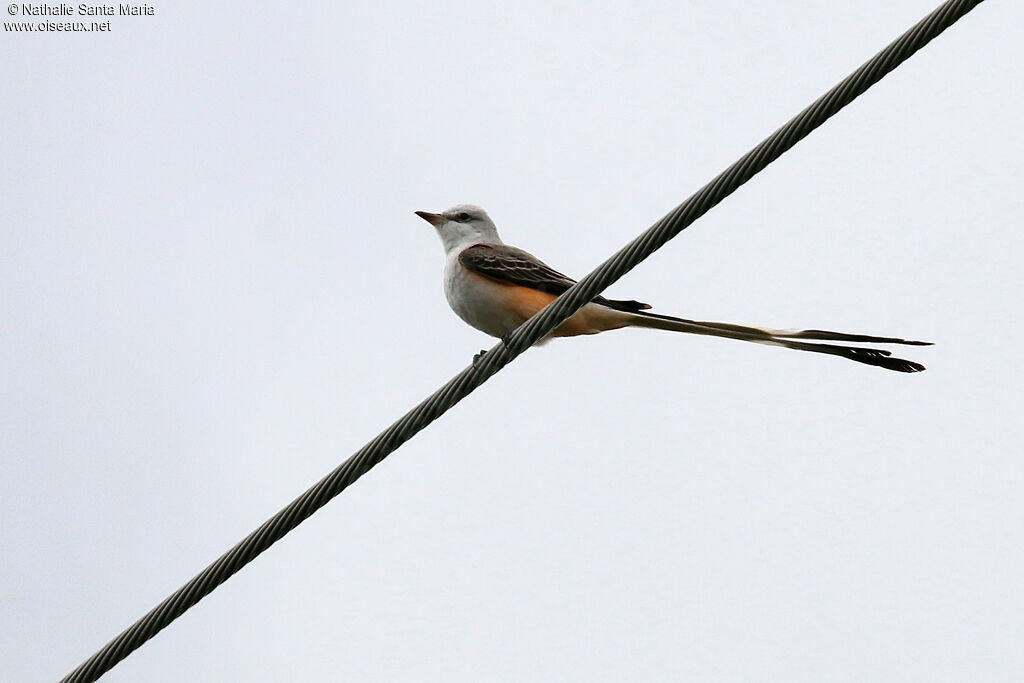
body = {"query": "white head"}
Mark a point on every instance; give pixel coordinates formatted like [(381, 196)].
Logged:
[(462, 225)]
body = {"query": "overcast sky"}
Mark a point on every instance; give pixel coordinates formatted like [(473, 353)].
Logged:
[(214, 290)]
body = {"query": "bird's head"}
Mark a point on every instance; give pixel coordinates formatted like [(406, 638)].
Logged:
[(462, 225)]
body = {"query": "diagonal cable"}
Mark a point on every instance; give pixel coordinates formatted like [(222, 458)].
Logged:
[(521, 339)]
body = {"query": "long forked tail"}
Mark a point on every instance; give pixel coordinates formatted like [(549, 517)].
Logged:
[(790, 339)]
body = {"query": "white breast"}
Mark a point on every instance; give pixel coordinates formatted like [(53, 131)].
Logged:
[(476, 300)]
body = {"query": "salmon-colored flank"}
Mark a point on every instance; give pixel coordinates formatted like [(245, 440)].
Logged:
[(524, 302)]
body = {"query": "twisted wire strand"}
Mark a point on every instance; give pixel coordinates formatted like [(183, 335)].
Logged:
[(521, 339)]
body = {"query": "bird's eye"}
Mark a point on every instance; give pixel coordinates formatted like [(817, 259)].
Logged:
[(462, 217)]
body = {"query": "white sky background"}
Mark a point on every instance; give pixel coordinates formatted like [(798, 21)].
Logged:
[(214, 290)]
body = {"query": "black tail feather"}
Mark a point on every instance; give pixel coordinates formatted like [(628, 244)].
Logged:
[(877, 357), (842, 336), (788, 339)]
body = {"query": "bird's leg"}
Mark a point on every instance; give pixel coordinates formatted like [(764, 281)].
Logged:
[(506, 339)]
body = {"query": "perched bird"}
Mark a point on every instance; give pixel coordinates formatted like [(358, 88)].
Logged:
[(495, 288)]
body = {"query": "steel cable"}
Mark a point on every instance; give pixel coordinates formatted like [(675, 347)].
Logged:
[(521, 339)]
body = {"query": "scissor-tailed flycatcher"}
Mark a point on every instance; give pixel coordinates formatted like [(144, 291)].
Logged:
[(495, 288)]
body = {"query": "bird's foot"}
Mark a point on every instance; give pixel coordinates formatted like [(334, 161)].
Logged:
[(477, 357)]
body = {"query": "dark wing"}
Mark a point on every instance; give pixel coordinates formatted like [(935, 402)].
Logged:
[(517, 267)]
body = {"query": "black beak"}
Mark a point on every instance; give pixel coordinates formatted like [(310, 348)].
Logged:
[(435, 219)]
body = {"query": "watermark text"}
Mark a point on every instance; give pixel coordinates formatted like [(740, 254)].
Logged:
[(55, 17)]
